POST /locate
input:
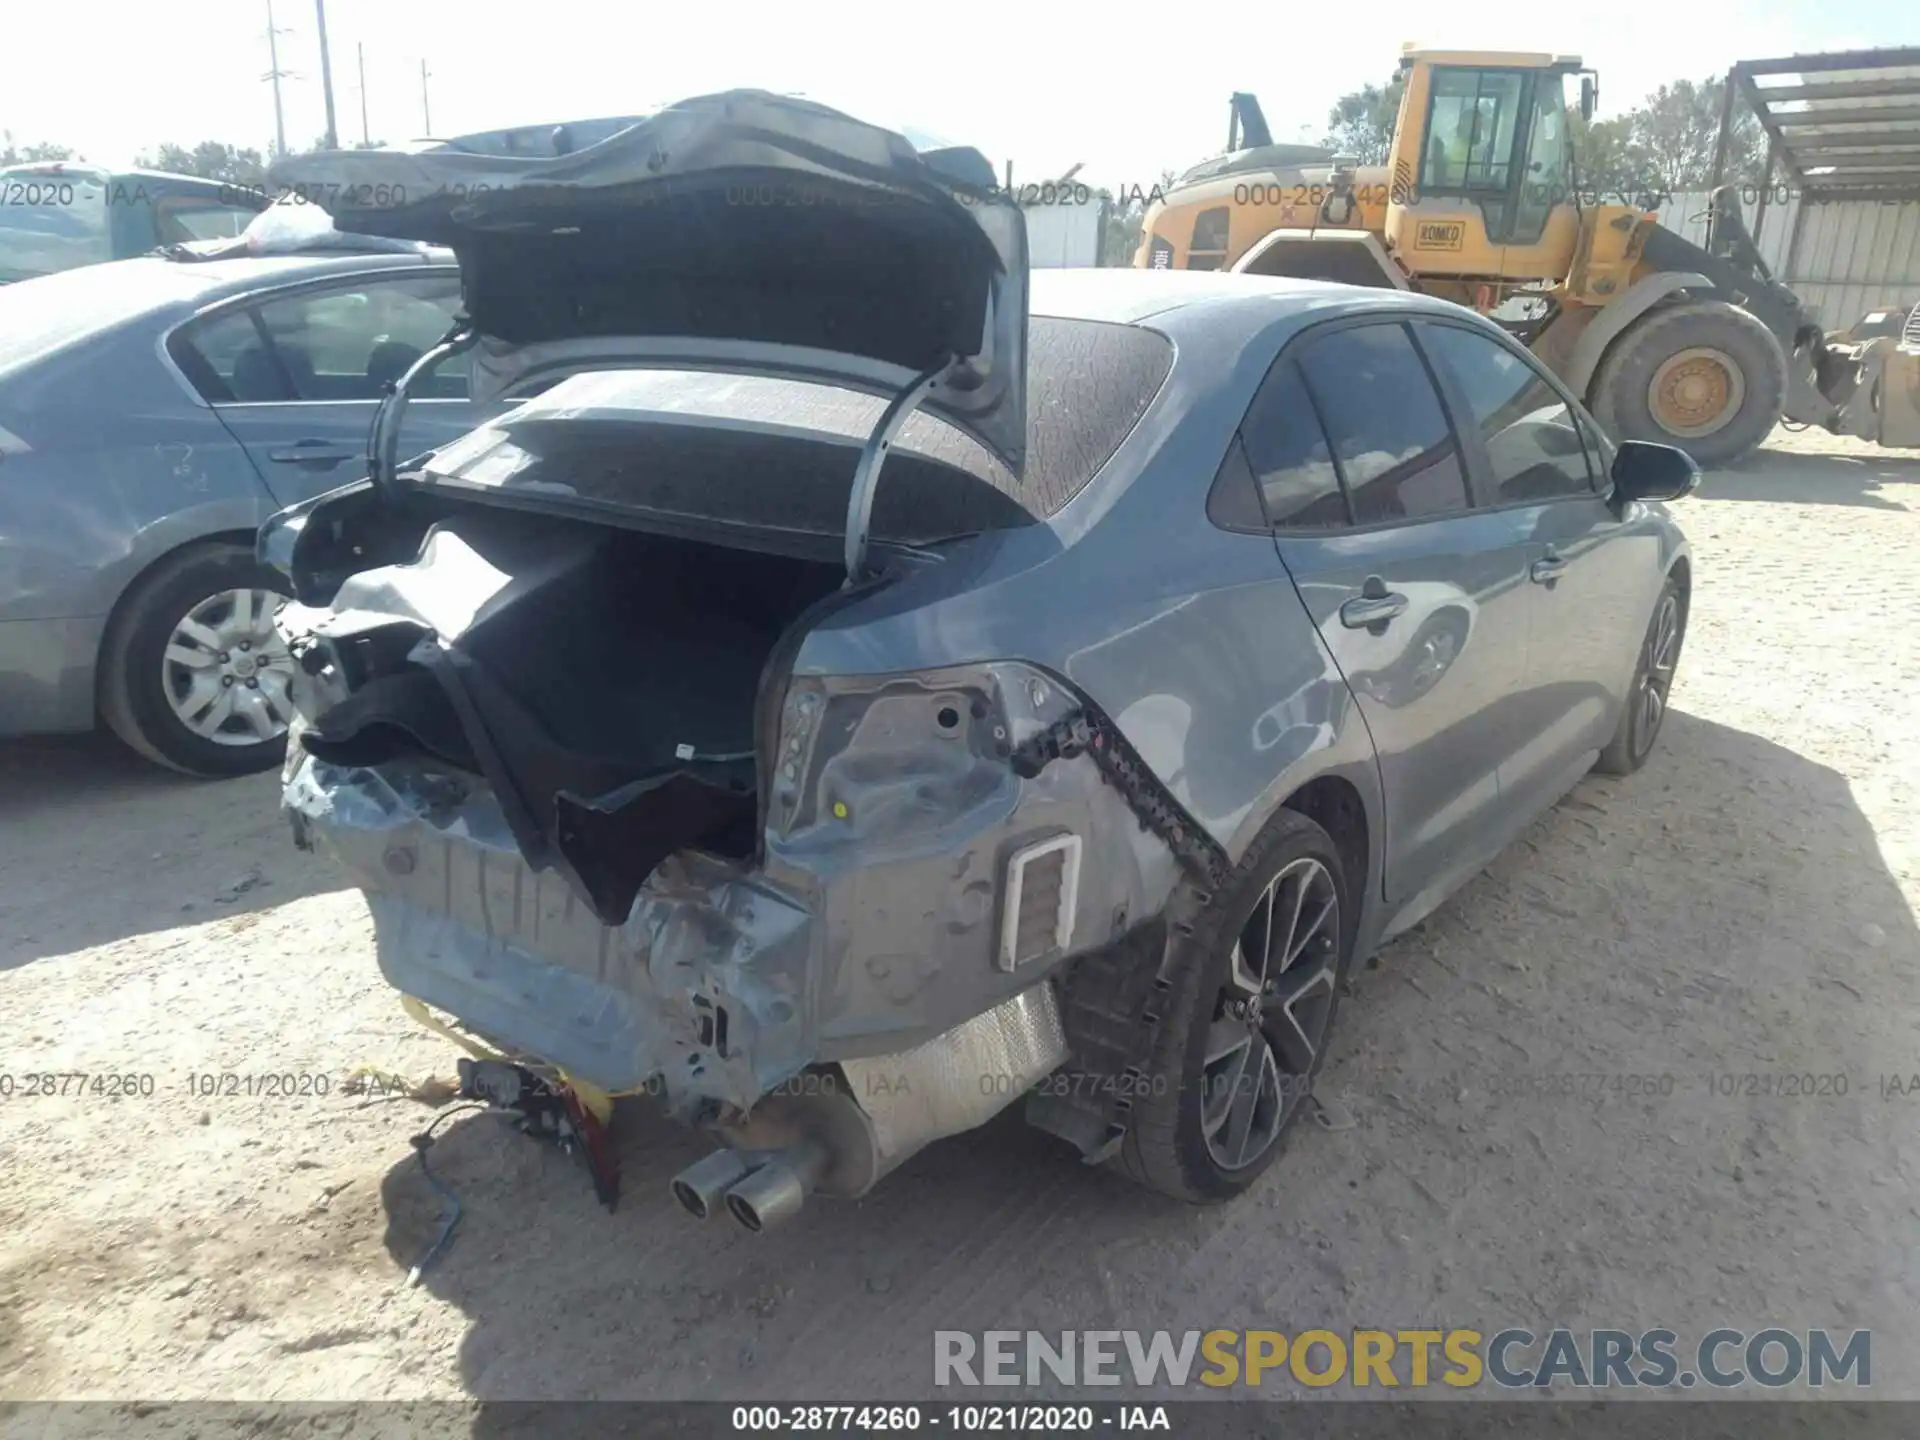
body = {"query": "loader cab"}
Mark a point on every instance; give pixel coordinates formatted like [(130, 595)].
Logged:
[(1483, 165)]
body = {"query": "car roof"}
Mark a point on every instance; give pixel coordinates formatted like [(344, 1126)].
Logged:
[(1129, 296), (151, 283), (1220, 313)]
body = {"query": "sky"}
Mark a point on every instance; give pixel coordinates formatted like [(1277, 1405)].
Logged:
[(1124, 92)]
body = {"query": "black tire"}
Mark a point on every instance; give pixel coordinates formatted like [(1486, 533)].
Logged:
[(1166, 1147), (1620, 393), (1633, 738), (133, 698)]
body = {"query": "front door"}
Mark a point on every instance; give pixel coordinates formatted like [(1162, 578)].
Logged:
[(1419, 598), (296, 377)]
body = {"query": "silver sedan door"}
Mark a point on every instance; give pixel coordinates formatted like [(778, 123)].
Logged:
[(1419, 598)]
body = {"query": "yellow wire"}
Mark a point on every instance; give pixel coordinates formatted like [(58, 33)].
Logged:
[(597, 1101)]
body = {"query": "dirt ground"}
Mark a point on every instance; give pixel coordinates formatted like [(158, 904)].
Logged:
[(1744, 905)]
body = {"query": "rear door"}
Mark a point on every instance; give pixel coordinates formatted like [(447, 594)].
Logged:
[(297, 375), (1590, 576), (1419, 597)]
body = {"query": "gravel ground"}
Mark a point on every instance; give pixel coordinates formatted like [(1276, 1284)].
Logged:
[(1743, 905)]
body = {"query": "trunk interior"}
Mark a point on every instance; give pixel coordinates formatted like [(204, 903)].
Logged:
[(603, 681)]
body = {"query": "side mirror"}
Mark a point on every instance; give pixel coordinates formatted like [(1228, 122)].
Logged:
[(1643, 470), (1589, 97)]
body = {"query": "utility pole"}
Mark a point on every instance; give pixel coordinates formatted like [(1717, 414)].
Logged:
[(326, 72), (426, 114), (366, 135), (273, 54)]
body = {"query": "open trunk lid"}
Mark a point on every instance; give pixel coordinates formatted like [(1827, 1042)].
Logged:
[(743, 231)]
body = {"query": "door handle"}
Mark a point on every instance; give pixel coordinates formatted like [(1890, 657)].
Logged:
[(1545, 572), (1369, 611), (315, 452)]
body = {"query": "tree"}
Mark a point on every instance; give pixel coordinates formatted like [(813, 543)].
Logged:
[(1671, 137), (1126, 215), (30, 154), (211, 159), (1609, 169), (1361, 122)]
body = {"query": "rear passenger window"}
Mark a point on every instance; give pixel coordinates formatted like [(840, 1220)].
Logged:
[(351, 344), (1288, 452), (1396, 451), (224, 360), (1533, 445)]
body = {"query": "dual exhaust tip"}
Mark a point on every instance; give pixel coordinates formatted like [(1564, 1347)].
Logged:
[(758, 1191)]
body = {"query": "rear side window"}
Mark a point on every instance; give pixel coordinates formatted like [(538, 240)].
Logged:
[(181, 220), (350, 344), (226, 361), (345, 344), (1533, 448), (1287, 451), (1396, 452)]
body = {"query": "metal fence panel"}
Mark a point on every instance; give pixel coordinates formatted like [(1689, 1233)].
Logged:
[(1853, 255)]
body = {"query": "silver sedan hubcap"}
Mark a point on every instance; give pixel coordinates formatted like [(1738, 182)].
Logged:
[(226, 671), (1271, 1019), (1656, 677)]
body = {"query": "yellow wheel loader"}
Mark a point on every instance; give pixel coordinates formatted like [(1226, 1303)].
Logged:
[(1480, 202)]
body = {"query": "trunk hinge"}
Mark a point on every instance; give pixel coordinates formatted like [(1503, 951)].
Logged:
[(866, 475), (384, 460)]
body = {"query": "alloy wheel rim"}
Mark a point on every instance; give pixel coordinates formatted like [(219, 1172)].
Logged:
[(1661, 655), (1270, 1020), (226, 672)]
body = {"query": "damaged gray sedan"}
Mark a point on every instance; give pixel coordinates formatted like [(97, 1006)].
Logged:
[(844, 694)]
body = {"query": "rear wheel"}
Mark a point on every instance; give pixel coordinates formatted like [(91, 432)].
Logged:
[(1259, 975), (1706, 377), (193, 674)]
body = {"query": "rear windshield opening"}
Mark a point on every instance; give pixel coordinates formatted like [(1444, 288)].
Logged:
[(754, 451)]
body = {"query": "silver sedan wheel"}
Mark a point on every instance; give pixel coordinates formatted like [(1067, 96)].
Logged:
[(1271, 1020), (1662, 654), (226, 672)]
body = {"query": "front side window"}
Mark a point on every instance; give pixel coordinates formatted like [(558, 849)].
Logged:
[(1396, 452), (1549, 168), (1470, 130), (1533, 445)]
